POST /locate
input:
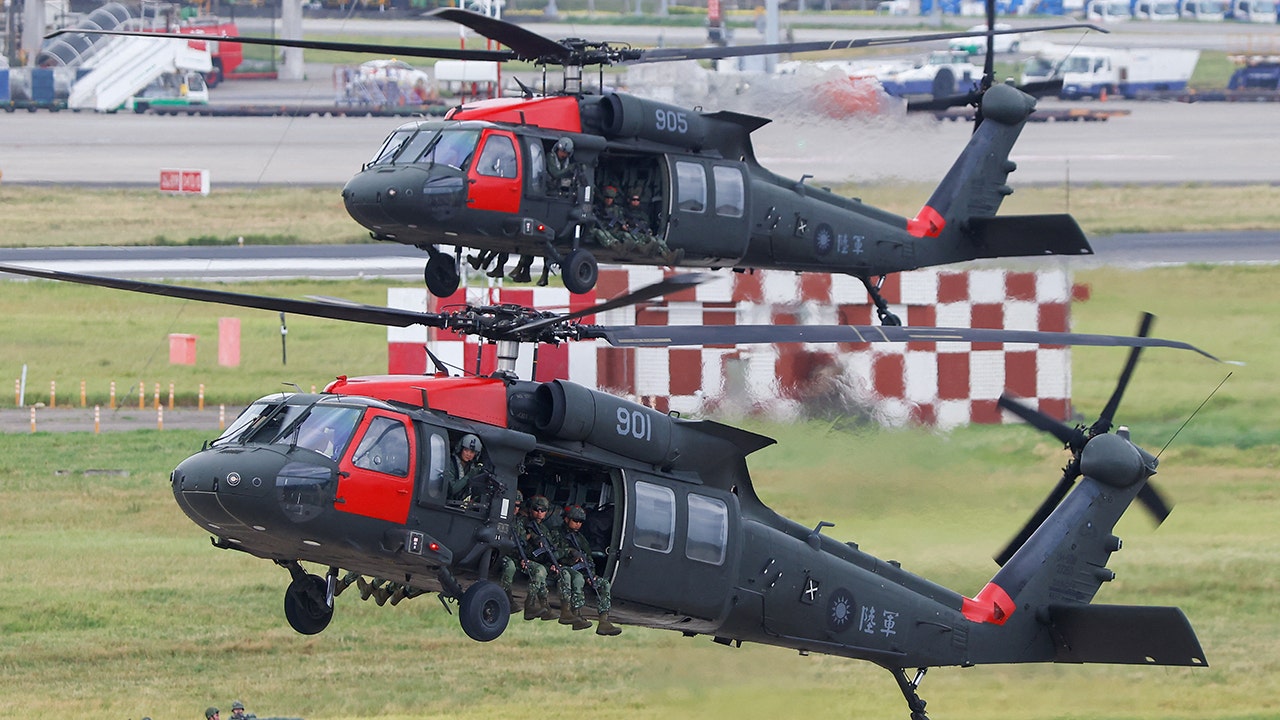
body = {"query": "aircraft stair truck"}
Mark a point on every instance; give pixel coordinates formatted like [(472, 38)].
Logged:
[(130, 64), (1092, 72)]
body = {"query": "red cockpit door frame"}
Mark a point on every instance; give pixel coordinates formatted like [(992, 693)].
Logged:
[(493, 181), (369, 492)]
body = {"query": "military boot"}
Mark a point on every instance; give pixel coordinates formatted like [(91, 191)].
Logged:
[(566, 614), (607, 628), (545, 606), (579, 622), (531, 610), (511, 600)]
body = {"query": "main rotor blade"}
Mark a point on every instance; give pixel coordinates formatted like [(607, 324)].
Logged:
[(363, 48), (528, 45), (667, 286), (674, 335), (1107, 418), (334, 310), (714, 53)]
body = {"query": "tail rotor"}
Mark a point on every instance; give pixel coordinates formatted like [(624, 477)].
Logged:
[(1075, 439)]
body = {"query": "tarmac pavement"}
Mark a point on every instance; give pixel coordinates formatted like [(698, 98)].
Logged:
[(19, 420)]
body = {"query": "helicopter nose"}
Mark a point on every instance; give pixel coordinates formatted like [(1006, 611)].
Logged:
[(233, 491), (394, 200)]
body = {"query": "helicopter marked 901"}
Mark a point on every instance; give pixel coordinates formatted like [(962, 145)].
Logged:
[(480, 177), (354, 479)]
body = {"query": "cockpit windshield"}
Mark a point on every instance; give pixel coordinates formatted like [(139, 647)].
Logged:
[(430, 144), (324, 428)]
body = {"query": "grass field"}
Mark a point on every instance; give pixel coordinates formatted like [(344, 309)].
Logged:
[(116, 605)]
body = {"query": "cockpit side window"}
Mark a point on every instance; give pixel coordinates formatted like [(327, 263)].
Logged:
[(384, 448), (436, 458), (537, 167), (498, 159)]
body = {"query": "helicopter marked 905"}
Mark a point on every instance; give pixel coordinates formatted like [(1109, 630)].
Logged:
[(481, 177), (354, 479)]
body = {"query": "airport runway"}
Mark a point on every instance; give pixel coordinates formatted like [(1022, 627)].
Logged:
[(1155, 143)]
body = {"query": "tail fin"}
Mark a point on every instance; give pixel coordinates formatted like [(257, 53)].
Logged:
[(961, 212), (1036, 608)]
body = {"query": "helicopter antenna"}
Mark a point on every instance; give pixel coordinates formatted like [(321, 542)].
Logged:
[(1193, 414)]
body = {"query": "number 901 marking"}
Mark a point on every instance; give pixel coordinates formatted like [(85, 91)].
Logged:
[(634, 423)]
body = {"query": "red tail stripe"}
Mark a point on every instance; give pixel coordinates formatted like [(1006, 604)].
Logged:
[(927, 223), (991, 605)]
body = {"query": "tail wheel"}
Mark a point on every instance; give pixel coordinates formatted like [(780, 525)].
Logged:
[(580, 271), (484, 611), (306, 606)]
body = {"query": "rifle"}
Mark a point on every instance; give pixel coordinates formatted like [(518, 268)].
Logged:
[(588, 565), (544, 546)]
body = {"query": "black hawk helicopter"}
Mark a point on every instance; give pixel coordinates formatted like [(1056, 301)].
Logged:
[(353, 479), (482, 178)]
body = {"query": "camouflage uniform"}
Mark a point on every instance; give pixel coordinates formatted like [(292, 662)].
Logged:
[(642, 235), (610, 220), (536, 603), (574, 553)]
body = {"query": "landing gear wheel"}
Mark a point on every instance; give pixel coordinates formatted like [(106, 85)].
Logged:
[(484, 611), (304, 605), (580, 271), (441, 275)]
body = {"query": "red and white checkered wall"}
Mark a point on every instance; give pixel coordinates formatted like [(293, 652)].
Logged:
[(942, 384)]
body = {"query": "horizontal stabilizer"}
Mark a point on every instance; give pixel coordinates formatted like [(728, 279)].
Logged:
[(1124, 635), (1027, 235)]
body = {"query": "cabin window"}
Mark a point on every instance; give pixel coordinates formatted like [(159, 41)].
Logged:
[(327, 430), (498, 159), (384, 448), (655, 517), (730, 194), (691, 187), (708, 529)]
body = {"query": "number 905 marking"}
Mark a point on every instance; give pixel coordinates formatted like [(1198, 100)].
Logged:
[(671, 121), (634, 423)]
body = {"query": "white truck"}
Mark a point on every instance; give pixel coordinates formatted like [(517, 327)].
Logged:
[(1101, 72), (1203, 10)]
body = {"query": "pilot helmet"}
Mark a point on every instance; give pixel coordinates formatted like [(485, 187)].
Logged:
[(470, 442), (564, 144), (539, 502), (575, 512)]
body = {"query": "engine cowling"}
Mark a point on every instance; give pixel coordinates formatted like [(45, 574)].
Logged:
[(571, 412), (626, 117)]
